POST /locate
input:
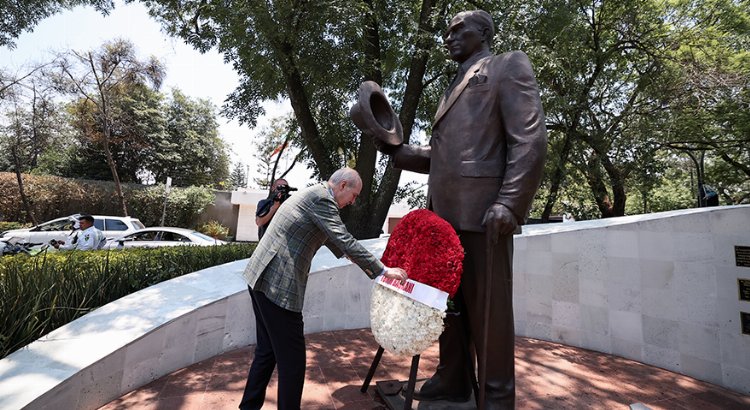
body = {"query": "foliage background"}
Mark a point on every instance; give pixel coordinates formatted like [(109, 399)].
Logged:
[(54, 197), (41, 293)]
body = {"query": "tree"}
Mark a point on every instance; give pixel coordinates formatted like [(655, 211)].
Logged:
[(238, 177), (192, 153), (30, 123), (97, 77), (17, 17), (316, 54), (273, 151)]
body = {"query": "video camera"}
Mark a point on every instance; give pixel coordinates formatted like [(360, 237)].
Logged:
[(282, 193)]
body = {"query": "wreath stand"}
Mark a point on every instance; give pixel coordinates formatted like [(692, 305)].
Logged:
[(391, 388)]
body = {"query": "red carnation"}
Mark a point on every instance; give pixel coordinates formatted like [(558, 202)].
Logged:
[(428, 249)]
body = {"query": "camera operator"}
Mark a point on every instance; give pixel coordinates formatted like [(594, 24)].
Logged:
[(267, 207)]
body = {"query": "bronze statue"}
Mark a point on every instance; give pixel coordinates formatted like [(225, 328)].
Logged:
[(485, 162)]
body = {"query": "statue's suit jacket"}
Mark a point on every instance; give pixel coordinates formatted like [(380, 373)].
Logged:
[(488, 143), (303, 223)]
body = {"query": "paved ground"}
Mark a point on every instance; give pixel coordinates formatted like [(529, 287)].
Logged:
[(549, 376)]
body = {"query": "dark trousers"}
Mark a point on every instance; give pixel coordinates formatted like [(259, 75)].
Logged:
[(470, 301), (281, 342)]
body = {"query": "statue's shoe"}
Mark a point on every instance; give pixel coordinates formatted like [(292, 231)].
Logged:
[(435, 389)]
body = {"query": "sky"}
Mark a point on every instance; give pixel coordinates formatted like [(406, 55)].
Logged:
[(197, 75)]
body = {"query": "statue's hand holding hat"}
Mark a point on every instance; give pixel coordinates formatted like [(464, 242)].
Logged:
[(374, 116)]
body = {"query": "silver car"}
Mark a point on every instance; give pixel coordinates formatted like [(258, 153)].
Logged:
[(61, 228), (162, 236)]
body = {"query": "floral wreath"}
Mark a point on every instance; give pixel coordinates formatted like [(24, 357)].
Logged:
[(427, 248)]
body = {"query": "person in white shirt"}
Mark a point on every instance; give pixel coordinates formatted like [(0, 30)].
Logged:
[(89, 238)]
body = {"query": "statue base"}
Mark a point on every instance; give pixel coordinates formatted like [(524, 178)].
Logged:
[(392, 393)]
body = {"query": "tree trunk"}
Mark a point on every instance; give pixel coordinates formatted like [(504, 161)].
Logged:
[(599, 188), (382, 198), (113, 168), (558, 177), (21, 190)]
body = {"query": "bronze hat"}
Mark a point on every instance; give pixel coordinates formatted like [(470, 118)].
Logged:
[(373, 115)]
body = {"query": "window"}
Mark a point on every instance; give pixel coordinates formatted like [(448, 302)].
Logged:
[(115, 225), (144, 236), (59, 225), (98, 224), (173, 237)]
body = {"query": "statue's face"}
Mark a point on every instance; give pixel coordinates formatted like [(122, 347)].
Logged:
[(463, 38)]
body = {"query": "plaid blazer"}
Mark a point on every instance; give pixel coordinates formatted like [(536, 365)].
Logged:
[(304, 222)]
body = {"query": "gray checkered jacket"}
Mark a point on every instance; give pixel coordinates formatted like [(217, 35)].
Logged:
[(306, 221)]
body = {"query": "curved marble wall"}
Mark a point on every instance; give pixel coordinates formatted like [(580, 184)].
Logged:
[(658, 288)]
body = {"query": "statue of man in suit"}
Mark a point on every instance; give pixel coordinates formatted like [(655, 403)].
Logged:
[(485, 162), (277, 276)]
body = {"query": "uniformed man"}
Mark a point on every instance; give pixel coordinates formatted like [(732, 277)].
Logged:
[(89, 238)]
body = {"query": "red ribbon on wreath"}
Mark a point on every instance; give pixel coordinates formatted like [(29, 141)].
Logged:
[(427, 248)]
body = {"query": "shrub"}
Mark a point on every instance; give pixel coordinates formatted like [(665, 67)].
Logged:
[(39, 294), (52, 197), (214, 229), (4, 226)]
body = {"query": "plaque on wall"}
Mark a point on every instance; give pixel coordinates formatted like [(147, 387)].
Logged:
[(745, 322), (744, 287), (742, 256)]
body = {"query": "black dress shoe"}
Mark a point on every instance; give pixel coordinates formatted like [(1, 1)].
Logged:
[(433, 389)]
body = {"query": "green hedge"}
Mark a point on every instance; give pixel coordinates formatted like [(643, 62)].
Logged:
[(52, 197), (41, 293)]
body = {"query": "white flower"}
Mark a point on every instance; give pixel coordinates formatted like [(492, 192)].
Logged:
[(401, 325)]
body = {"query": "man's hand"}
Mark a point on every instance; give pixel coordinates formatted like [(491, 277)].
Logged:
[(386, 149), (499, 220), (396, 274)]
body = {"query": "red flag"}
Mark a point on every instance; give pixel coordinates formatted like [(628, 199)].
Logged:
[(278, 149)]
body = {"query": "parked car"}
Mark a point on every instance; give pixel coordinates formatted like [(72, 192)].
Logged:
[(59, 229), (162, 236)]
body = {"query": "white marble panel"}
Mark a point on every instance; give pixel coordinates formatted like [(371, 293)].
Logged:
[(567, 336), (565, 283), (622, 243), (727, 285), (735, 349), (708, 370), (626, 326), (731, 221), (597, 341), (736, 378), (239, 328), (663, 333), (659, 275), (695, 279), (660, 303), (566, 315), (699, 341), (665, 358), (627, 349), (537, 245), (593, 292), (539, 290), (657, 246), (541, 264), (701, 310), (565, 242), (179, 349), (624, 298), (595, 320), (538, 330), (694, 247)]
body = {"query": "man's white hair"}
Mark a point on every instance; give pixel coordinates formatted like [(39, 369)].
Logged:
[(345, 174)]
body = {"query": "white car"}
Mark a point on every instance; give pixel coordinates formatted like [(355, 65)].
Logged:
[(59, 229), (162, 236)]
